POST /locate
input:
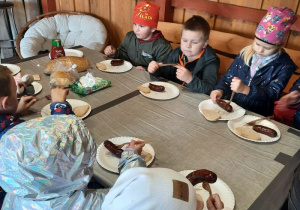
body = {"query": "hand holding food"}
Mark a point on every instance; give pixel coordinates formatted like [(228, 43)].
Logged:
[(59, 94), (214, 203), (137, 145), (153, 66), (183, 74), (157, 88), (117, 62), (215, 95), (25, 103), (110, 50), (224, 105), (202, 175), (237, 85)]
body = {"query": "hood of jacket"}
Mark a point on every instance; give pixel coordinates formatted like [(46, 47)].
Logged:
[(46, 158)]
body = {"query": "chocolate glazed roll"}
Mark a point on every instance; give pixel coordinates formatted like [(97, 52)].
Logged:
[(202, 175), (224, 105), (113, 148), (265, 130), (157, 88), (117, 62)]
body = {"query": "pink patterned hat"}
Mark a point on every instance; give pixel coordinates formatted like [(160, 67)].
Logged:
[(275, 25)]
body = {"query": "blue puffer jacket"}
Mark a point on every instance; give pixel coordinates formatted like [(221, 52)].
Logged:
[(296, 86), (265, 87)]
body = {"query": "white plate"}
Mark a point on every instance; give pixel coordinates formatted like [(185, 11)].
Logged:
[(237, 111), (37, 88), (74, 103), (110, 162), (116, 69), (14, 68), (71, 52), (171, 91), (233, 124), (219, 187)]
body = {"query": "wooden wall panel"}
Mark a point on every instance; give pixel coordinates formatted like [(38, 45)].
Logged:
[(121, 20), (178, 15), (101, 10), (291, 4), (294, 38), (82, 6), (68, 5), (58, 5), (117, 16), (239, 27)]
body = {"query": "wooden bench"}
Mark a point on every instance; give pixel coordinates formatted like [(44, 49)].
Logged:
[(226, 45)]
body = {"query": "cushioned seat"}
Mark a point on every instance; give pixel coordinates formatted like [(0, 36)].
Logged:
[(73, 30)]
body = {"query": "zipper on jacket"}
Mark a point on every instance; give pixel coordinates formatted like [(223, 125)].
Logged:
[(250, 81)]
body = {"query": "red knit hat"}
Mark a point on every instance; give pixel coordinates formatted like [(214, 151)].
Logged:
[(146, 13)]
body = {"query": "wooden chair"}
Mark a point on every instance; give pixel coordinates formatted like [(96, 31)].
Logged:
[(22, 34)]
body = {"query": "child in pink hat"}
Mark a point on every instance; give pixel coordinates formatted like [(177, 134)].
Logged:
[(261, 71)]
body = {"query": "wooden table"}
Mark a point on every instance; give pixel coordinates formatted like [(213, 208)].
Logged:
[(259, 174)]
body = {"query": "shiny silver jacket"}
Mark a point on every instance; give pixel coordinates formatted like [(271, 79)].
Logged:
[(46, 163)]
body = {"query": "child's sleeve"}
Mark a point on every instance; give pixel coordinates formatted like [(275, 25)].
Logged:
[(130, 159), (162, 52), (296, 86), (209, 78), (274, 89), (121, 52), (61, 108)]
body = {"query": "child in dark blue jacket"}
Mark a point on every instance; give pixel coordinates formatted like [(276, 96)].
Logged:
[(261, 71)]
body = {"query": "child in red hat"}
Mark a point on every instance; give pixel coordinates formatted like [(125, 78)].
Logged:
[(261, 71), (144, 44)]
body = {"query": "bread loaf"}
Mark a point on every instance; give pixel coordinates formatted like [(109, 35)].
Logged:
[(211, 115), (248, 133), (61, 78), (66, 63), (80, 111)]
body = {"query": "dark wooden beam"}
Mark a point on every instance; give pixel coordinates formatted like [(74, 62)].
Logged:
[(48, 6), (227, 10), (166, 10)]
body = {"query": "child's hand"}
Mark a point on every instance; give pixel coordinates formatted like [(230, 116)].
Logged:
[(25, 103), (214, 203), (288, 99), (238, 86), (140, 68), (183, 74), (137, 145), (18, 80), (110, 50), (216, 94), (59, 94), (153, 66)]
